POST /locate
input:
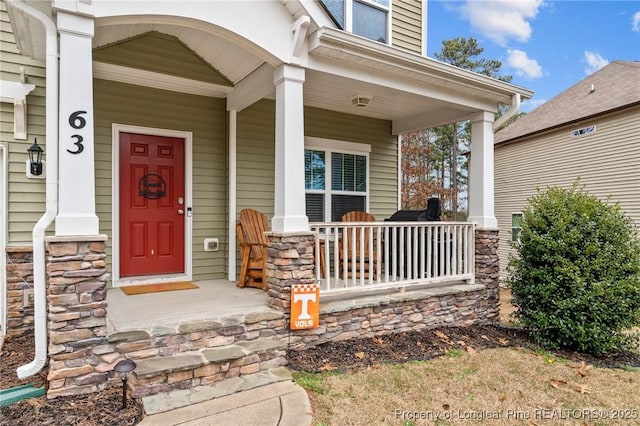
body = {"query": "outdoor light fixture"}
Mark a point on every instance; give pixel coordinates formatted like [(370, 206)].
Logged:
[(361, 99), (123, 368), (35, 159)]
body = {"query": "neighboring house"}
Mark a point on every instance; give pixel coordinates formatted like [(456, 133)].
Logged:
[(162, 120), (591, 131)]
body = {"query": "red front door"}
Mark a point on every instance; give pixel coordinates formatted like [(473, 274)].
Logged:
[(151, 205)]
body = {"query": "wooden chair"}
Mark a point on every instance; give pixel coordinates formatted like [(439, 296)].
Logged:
[(353, 239), (253, 243)]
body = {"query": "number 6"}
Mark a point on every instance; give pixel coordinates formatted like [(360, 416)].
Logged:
[(76, 121)]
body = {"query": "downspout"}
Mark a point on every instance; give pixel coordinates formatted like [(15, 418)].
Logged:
[(515, 107), (51, 187)]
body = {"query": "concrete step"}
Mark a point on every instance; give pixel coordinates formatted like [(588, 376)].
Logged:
[(168, 382), (166, 401)]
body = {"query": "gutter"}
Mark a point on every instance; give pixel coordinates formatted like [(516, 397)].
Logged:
[(51, 185), (515, 107)]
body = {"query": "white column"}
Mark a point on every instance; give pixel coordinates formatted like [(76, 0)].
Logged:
[(233, 193), (289, 208), (481, 191), (76, 210)]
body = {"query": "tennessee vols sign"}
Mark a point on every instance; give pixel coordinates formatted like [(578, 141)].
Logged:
[(305, 306)]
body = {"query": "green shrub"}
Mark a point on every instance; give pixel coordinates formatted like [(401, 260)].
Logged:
[(576, 276)]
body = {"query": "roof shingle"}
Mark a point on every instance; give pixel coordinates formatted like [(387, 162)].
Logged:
[(612, 87)]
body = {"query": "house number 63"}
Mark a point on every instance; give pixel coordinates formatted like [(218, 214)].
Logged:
[(77, 121)]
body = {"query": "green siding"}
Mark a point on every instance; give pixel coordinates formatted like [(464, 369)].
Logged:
[(25, 198), (406, 25), (383, 168), (160, 53), (205, 118), (255, 151)]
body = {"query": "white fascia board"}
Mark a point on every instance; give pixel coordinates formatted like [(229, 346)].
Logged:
[(406, 84), (158, 80), (429, 119), (263, 28), (327, 41), (257, 85)]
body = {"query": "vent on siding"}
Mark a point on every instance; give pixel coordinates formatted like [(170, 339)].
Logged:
[(584, 131)]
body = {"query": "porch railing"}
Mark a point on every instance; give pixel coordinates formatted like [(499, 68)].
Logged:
[(353, 256)]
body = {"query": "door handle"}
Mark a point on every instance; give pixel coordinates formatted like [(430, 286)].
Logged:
[(180, 211)]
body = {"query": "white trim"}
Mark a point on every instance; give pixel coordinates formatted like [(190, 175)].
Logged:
[(16, 93), (399, 147), (425, 17), (311, 142), (3, 240), (158, 80), (116, 129), (233, 195), (343, 147)]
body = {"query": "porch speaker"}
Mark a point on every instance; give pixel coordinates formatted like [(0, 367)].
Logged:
[(361, 100)]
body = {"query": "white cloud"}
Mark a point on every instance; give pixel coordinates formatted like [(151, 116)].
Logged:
[(594, 61), (635, 26), (531, 104), (523, 65), (502, 20)]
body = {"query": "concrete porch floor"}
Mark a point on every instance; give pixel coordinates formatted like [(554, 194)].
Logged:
[(211, 300)]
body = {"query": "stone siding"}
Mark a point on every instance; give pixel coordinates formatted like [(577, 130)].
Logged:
[(488, 270), (458, 304), (19, 282), (290, 261), (80, 358)]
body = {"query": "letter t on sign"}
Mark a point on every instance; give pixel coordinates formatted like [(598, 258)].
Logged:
[(305, 306)]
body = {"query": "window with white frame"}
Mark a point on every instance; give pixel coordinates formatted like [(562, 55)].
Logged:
[(368, 18), (516, 226), (336, 180)]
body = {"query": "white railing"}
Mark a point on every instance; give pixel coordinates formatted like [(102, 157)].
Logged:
[(352, 256)]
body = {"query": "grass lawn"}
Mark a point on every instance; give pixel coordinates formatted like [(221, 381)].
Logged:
[(503, 386)]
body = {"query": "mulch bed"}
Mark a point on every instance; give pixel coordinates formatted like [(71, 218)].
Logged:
[(424, 345), (101, 408), (104, 408)]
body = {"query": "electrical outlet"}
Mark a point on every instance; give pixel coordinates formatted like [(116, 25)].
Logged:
[(211, 244), (27, 300)]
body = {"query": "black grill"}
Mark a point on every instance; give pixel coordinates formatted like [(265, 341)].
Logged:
[(430, 214)]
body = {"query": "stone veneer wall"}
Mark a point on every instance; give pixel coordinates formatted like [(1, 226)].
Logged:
[(80, 358), (19, 279), (488, 269), (291, 262)]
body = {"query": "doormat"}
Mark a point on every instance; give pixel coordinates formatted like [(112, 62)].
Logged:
[(156, 288)]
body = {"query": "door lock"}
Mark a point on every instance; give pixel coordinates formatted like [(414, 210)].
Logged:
[(180, 211)]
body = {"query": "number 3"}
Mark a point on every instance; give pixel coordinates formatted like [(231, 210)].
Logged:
[(78, 144)]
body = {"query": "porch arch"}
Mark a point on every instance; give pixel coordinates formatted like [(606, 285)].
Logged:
[(230, 23)]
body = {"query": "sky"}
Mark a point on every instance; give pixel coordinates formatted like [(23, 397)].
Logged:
[(547, 46)]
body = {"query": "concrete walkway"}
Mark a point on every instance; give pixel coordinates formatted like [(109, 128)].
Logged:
[(277, 404)]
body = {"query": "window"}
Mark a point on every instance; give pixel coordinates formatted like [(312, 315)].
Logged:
[(516, 226), (335, 179), (368, 18)]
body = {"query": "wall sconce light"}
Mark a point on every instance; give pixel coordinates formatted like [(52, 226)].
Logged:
[(123, 368), (35, 159)]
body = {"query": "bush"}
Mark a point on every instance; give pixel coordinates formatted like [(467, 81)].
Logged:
[(576, 277)]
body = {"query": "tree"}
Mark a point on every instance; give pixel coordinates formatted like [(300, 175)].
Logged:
[(576, 276), (446, 163)]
